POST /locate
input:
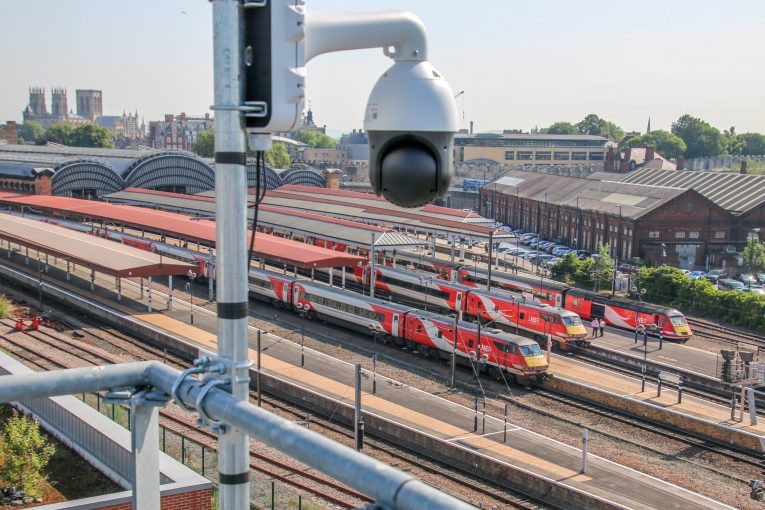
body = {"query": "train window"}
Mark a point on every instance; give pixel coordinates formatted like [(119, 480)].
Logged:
[(440, 334), (523, 315), (575, 302), (419, 328), (470, 344), (572, 320)]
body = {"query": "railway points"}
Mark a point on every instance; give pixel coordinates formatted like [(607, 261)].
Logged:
[(553, 460)]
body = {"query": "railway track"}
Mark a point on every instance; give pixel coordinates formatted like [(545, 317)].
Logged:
[(725, 334)]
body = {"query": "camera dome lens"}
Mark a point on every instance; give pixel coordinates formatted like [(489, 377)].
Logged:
[(408, 174)]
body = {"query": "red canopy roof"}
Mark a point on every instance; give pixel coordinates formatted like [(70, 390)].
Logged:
[(180, 226)]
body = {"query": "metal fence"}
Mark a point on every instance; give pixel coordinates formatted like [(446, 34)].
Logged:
[(265, 492)]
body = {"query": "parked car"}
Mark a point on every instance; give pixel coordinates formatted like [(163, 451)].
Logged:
[(728, 284), (697, 274), (746, 278), (686, 272), (761, 278), (756, 290), (715, 274), (560, 251)]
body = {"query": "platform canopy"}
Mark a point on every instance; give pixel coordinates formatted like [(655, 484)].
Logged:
[(179, 226), (89, 251)]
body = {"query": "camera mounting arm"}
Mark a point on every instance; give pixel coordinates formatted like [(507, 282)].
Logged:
[(400, 34)]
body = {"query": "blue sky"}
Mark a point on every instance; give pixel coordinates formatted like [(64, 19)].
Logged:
[(521, 63)]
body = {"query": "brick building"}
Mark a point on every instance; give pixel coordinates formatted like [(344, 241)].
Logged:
[(680, 226), (178, 133), (9, 133)]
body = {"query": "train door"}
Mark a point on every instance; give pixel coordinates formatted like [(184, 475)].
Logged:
[(394, 330), (559, 299), (285, 293), (458, 302), (598, 310), (295, 294)]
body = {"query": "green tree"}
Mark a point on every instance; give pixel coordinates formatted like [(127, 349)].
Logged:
[(594, 125), (205, 144), (560, 128), (316, 139), (24, 452), (58, 133), (603, 268), (666, 143), (701, 138), (30, 132), (90, 135), (751, 144), (569, 269), (277, 156), (754, 255), (732, 141)]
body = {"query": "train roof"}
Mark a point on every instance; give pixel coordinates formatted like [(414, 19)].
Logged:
[(470, 326), (426, 258), (422, 274), (619, 301), (358, 297)]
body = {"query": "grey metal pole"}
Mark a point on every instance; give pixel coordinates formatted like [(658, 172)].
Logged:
[(372, 262), (752, 406), (148, 292), (585, 445), (488, 280), (257, 374), (231, 219), (359, 438), (170, 292), (454, 241), (210, 274), (144, 432), (454, 352)]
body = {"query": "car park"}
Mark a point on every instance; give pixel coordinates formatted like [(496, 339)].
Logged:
[(728, 284), (745, 278), (715, 274)]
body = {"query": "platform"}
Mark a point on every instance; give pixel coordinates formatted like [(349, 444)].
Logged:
[(427, 413)]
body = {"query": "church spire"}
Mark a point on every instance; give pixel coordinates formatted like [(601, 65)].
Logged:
[(648, 129)]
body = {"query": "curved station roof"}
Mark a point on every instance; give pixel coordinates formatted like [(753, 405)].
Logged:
[(267, 246), (90, 251)]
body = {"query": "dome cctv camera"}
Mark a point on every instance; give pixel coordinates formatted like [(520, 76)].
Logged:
[(411, 119)]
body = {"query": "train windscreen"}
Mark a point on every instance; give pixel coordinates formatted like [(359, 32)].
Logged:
[(531, 350), (677, 320), (571, 320)]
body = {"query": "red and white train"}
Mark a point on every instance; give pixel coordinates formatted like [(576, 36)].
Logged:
[(434, 335), (617, 312), (509, 311)]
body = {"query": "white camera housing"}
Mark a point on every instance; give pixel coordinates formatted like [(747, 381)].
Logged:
[(411, 119)]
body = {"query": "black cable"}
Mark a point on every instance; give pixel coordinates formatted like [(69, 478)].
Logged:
[(260, 193)]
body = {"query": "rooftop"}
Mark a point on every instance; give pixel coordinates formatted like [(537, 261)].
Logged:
[(90, 251), (629, 200), (734, 192)]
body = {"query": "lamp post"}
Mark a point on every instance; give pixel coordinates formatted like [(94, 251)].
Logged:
[(753, 237), (475, 270), (39, 285), (428, 279), (190, 290), (375, 329), (302, 309), (455, 337)]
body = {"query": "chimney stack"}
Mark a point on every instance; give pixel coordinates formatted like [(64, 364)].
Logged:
[(650, 152), (471, 127), (680, 163), (742, 170)]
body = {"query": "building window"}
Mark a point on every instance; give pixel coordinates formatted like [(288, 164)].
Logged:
[(579, 156), (693, 235), (680, 234), (527, 155), (720, 234), (596, 156), (544, 156), (653, 234), (509, 155), (562, 156)]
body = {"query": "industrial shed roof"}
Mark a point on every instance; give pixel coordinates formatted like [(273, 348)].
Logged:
[(176, 225), (734, 192), (306, 223), (369, 208), (631, 200), (92, 252)]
